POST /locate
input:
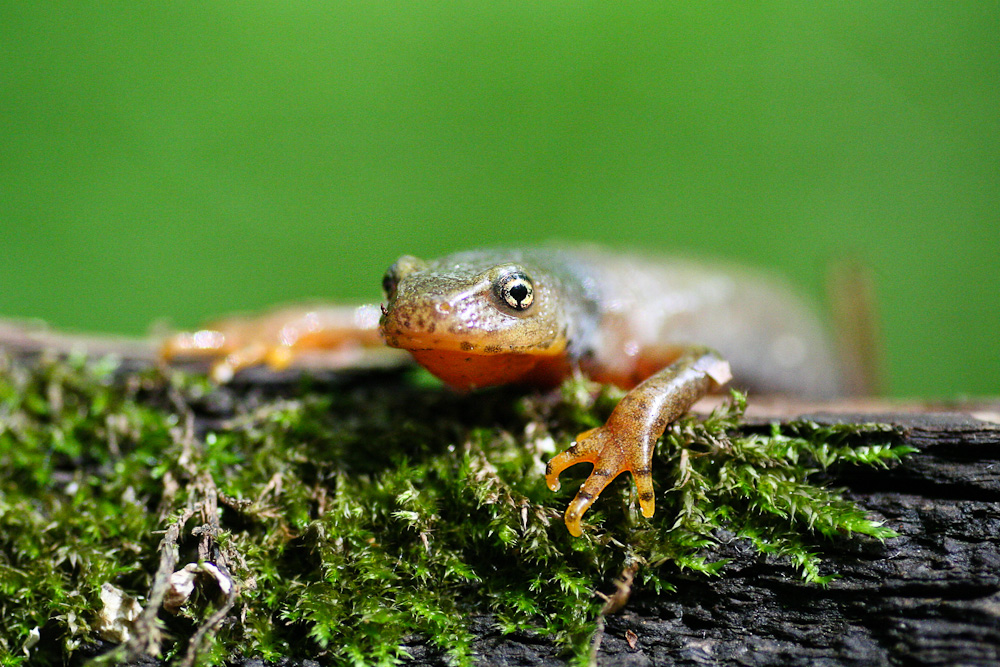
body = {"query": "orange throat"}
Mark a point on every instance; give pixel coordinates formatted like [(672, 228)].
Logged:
[(463, 370)]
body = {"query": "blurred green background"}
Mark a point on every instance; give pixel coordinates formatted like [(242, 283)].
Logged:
[(180, 160)]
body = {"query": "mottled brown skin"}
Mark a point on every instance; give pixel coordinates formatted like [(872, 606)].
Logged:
[(530, 317)]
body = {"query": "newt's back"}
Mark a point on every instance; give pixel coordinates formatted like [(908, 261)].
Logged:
[(772, 339)]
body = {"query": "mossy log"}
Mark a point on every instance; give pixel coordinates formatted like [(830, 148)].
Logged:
[(930, 596)]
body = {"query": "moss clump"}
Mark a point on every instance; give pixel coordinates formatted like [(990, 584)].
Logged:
[(341, 519)]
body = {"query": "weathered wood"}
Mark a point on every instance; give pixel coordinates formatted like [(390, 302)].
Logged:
[(928, 597)]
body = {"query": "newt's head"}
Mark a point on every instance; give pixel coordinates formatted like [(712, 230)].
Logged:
[(474, 322)]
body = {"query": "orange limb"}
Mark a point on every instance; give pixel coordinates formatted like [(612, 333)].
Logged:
[(329, 336), (626, 442)]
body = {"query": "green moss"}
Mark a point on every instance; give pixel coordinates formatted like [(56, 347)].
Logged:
[(351, 516)]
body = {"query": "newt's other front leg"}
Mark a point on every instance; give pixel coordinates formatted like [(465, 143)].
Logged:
[(626, 441), (332, 336)]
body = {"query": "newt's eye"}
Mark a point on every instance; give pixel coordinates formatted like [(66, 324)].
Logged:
[(516, 290)]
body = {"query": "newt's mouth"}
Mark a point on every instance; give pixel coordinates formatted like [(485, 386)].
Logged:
[(485, 346)]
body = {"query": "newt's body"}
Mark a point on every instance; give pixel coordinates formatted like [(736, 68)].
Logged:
[(492, 317)]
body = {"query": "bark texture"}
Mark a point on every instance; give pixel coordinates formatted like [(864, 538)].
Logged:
[(928, 597)]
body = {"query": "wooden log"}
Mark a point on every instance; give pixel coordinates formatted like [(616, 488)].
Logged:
[(929, 597)]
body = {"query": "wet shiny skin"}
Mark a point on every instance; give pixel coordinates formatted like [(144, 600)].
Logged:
[(667, 329), (636, 322)]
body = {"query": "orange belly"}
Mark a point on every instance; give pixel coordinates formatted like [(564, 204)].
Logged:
[(462, 370)]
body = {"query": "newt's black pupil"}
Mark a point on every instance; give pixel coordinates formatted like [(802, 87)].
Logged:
[(519, 292)]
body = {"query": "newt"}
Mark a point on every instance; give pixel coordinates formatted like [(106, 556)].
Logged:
[(668, 330)]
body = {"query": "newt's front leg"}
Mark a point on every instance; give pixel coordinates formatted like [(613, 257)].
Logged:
[(626, 441), (332, 336)]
